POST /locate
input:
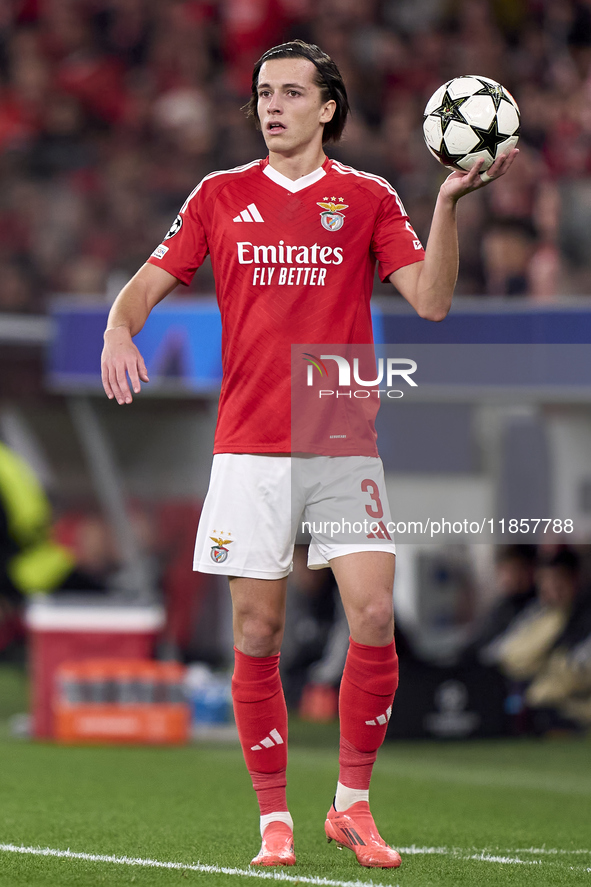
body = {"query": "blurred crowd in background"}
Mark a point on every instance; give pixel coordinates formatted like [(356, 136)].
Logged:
[(112, 110)]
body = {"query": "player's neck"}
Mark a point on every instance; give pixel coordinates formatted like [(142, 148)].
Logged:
[(295, 166)]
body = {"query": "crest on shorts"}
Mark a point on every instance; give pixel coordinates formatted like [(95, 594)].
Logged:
[(219, 552), (332, 218)]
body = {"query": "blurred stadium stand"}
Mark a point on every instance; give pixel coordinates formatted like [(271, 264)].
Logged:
[(110, 112)]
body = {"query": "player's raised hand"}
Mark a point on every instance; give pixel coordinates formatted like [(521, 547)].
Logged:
[(120, 359), (459, 183)]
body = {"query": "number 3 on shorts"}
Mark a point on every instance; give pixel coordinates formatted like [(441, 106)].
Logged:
[(370, 486)]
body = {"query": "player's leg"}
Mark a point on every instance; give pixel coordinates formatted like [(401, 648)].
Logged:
[(249, 497), (258, 607), (370, 678)]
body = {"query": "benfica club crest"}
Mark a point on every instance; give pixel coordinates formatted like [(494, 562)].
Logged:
[(332, 218), (219, 552)]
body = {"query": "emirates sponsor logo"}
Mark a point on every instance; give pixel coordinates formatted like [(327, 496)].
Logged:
[(285, 254), (282, 264)]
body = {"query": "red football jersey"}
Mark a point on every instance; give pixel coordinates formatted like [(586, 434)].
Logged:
[(294, 263)]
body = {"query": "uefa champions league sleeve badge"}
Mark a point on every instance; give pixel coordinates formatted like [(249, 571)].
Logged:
[(175, 227)]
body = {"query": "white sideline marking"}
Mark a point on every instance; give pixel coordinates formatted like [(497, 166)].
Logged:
[(550, 851), (189, 867), (487, 854), (482, 855), (413, 850)]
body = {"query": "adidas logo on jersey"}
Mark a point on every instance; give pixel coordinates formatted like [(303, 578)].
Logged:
[(274, 738), (381, 719), (250, 214)]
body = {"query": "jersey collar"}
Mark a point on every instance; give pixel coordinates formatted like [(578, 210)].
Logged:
[(298, 184)]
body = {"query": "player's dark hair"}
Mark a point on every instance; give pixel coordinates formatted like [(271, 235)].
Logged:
[(328, 79)]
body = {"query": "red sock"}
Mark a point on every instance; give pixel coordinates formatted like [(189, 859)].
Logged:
[(367, 692), (261, 718)]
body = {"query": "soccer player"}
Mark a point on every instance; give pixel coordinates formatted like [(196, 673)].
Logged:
[(293, 241)]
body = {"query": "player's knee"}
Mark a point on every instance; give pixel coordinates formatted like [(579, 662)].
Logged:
[(380, 614), (376, 617), (259, 634)]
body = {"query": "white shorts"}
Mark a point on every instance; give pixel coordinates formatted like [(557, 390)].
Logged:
[(257, 504)]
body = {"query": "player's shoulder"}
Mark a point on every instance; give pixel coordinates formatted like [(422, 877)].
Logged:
[(211, 184), (366, 181)]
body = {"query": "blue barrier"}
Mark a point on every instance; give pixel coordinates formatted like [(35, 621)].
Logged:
[(181, 341)]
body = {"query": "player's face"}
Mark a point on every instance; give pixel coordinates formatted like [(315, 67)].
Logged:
[(290, 107)]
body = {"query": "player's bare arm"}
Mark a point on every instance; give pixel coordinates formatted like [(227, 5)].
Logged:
[(429, 285), (120, 357)]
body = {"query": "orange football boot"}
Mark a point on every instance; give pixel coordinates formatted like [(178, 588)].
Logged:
[(355, 829), (277, 846)]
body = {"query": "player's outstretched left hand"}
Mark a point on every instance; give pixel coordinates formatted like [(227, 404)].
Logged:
[(460, 183)]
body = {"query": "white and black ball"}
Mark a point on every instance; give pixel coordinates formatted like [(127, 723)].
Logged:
[(469, 118)]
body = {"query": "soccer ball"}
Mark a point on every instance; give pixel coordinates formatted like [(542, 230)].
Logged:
[(469, 118)]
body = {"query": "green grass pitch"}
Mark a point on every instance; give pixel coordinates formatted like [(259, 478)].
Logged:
[(490, 813)]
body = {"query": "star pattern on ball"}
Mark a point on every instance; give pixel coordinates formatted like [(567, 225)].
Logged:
[(495, 92), (490, 138), (450, 110)]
